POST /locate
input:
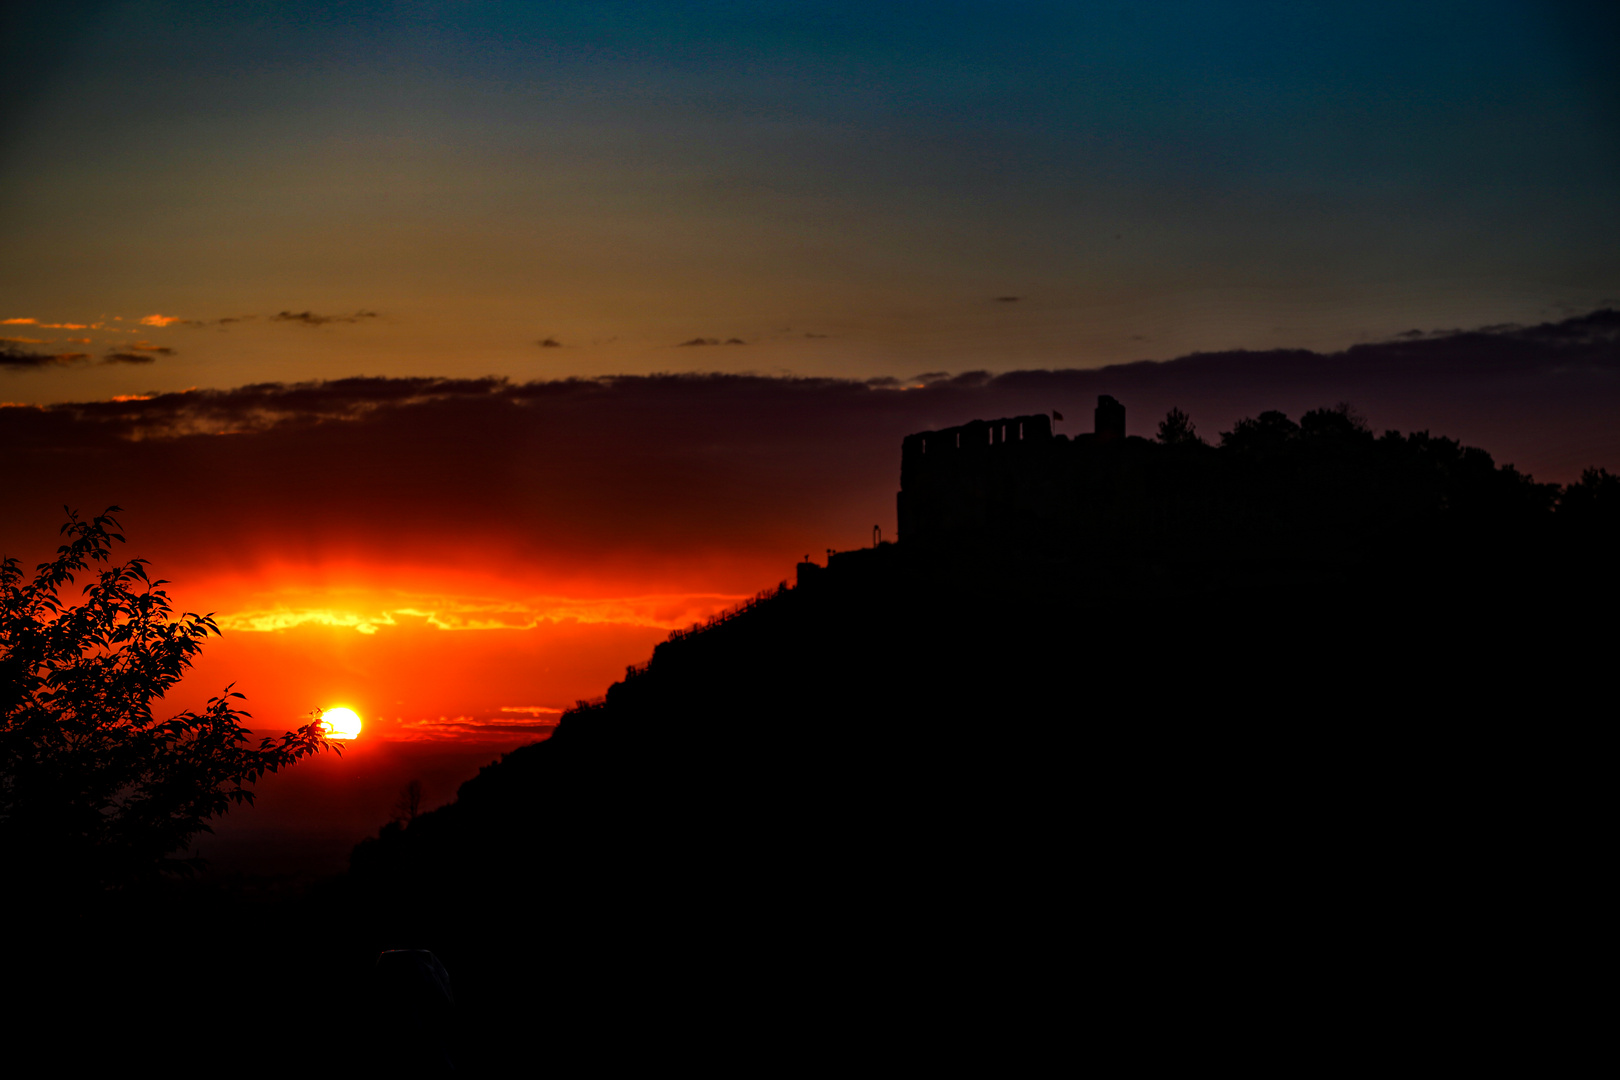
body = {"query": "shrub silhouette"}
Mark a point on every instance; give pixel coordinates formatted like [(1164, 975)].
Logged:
[(95, 790)]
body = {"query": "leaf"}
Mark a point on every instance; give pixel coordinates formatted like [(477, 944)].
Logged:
[(86, 677)]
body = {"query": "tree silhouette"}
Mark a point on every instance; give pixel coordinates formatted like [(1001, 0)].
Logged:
[(1269, 432), (1339, 422), (409, 803), (96, 791), (1177, 428), (1595, 499)]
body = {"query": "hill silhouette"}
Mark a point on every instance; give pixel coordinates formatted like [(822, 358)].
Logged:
[(1118, 726), (1127, 746)]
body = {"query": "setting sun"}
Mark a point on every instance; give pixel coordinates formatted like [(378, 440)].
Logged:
[(341, 723)]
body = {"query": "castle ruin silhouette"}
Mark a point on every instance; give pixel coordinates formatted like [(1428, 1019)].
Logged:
[(997, 476)]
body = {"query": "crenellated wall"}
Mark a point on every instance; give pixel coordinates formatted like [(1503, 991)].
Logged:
[(962, 477), (953, 448), (996, 476)]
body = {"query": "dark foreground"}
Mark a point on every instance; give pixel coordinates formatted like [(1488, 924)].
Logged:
[(1296, 767)]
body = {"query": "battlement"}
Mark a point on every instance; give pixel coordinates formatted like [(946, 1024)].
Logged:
[(994, 475), (977, 435), (948, 449)]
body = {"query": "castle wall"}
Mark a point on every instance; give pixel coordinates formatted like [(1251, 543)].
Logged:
[(968, 477), (1013, 477)]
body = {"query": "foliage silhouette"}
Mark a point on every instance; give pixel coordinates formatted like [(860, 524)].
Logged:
[(95, 790), (1595, 498), (1339, 422), (1268, 432), (1177, 428)]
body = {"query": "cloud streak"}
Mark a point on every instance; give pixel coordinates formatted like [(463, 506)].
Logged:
[(46, 325), (166, 322), (635, 479), (141, 352), (309, 318), (199, 324), (465, 728), (462, 613), (15, 359)]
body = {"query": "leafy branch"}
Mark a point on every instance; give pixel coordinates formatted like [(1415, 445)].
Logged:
[(94, 787)]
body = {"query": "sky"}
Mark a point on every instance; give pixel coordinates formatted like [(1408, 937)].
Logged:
[(438, 188), (455, 353)]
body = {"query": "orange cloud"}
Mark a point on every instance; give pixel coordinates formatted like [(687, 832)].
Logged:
[(160, 320), (453, 613), (468, 728), (45, 325), (410, 680)]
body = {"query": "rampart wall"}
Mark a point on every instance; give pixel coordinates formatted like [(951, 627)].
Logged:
[(965, 477), (928, 451), (1004, 476)]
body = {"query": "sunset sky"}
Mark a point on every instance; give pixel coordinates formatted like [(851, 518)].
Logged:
[(454, 353)]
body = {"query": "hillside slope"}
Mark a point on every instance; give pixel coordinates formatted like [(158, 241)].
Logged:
[(1311, 679)]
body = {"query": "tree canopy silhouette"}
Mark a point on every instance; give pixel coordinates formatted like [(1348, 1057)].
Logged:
[(96, 790), (1177, 428)]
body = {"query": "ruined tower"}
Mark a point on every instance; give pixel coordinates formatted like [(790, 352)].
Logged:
[(1109, 418)]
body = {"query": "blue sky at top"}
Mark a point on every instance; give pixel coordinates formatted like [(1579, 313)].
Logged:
[(1148, 179)]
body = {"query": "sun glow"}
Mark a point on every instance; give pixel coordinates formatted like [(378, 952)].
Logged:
[(341, 723), (668, 611)]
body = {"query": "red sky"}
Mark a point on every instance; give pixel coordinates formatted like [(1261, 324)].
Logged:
[(459, 560), (212, 215)]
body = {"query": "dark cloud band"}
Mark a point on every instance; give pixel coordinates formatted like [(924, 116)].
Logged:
[(15, 359), (667, 467), (309, 318)]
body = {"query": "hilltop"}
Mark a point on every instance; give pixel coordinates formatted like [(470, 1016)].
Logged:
[(1111, 704)]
